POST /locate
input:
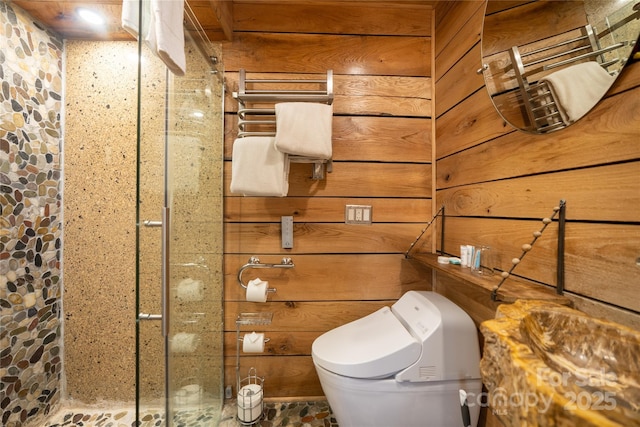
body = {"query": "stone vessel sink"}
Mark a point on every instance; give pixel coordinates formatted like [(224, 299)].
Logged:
[(546, 364)]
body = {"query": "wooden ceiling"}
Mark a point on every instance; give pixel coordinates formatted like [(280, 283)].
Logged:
[(62, 17), (215, 16)]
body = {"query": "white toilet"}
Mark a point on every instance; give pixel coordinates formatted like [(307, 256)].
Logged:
[(402, 366)]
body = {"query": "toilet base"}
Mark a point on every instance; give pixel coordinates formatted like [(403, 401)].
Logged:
[(388, 403)]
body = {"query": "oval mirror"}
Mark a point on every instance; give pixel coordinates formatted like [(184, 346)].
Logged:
[(546, 63)]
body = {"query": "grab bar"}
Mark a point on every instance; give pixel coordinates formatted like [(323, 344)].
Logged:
[(254, 262)]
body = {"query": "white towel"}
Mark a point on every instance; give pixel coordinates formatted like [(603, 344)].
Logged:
[(190, 290), (578, 88), (304, 129), (162, 29), (183, 342), (131, 17), (166, 34), (258, 169)]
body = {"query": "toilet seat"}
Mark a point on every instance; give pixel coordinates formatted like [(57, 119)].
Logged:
[(403, 365), (375, 346)]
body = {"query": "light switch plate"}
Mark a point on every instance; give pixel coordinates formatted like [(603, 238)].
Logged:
[(358, 214)]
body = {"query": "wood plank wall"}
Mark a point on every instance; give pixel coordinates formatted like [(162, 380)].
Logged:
[(497, 183), (380, 55)]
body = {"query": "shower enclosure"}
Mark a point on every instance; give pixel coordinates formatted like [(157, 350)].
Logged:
[(179, 235)]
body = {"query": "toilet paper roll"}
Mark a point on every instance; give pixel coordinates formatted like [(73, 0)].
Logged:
[(190, 290), (257, 290), (189, 394), (184, 342), (250, 403), (253, 343)]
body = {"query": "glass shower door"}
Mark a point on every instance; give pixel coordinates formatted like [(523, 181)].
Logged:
[(194, 200), (179, 239)]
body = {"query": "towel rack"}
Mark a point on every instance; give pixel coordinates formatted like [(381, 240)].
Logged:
[(254, 262), (540, 106), (256, 107)]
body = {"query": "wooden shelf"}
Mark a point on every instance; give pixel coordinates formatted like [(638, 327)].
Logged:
[(512, 289)]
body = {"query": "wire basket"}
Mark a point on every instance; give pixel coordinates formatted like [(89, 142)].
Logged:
[(250, 400)]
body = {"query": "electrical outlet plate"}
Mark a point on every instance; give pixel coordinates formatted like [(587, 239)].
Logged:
[(358, 214)]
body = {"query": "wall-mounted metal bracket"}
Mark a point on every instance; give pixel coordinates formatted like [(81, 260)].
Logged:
[(254, 262)]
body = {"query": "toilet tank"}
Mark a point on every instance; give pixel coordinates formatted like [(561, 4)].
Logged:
[(450, 348)]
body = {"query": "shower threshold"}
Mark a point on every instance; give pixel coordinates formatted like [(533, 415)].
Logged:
[(277, 414)]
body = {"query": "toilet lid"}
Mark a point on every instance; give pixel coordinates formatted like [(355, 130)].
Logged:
[(375, 346)]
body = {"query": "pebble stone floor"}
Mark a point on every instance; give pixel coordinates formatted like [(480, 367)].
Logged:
[(291, 414)]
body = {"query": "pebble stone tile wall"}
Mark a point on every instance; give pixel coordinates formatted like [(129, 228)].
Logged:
[(30, 226)]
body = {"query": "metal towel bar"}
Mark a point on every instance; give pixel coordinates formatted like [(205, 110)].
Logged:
[(538, 101), (256, 108), (585, 56)]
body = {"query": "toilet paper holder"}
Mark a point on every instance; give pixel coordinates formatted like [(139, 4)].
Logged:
[(241, 339), (245, 319), (254, 262), (265, 339), (250, 401)]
